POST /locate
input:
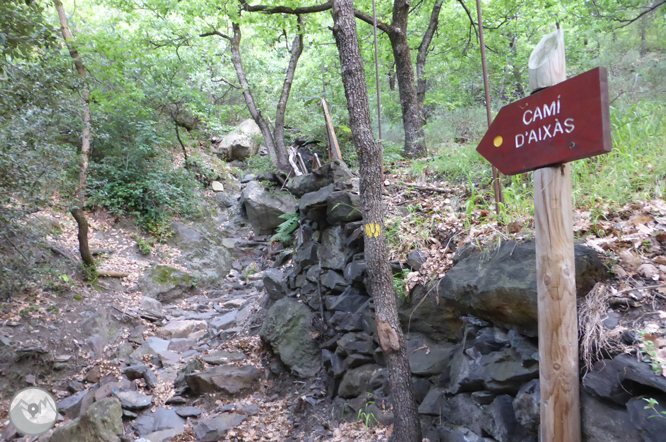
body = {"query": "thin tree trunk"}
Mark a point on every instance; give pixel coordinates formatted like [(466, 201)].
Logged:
[(85, 93), (406, 425), (423, 53), (280, 163), (84, 249), (182, 145), (412, 114), (296, 51)]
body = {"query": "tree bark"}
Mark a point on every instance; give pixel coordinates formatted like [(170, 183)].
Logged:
[(423, 53), (85, 94), (406, 425), (296, 51), (84, 249), (280, 162)]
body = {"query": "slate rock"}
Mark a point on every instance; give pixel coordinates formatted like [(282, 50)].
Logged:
[(332, 250), (433, 403), (214, 428), (355, 270), (621, 378), (225, 321), (186, 412), (181, 329), (466, 374), (349, 301), (168, 358), (71, 405), (651, 425), (224, 378), (165, 283), (427, 357), (490, 339), (264, 208), (136, 335), (334, 281), (604, 421), (180, 345), (326, 175), (437, 320), (506, 370), (415, 260), (501, 422), (141, 371), (343, 207), (313, 204), (189, 368), (526, 406), (151, 305), (306, 254), (287, 329), (163, 435), (500, 285), (102, 422), (355, 342), (462, 410), (458, 434), (274, 284), (356, 381), (158, 420), (223, 357), (132, 400)]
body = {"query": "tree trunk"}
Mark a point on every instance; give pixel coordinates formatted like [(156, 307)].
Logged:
[(280, 162), (85, 93), (423, 53), (296, 51), (406, 426), (412, 114), (84, 249)]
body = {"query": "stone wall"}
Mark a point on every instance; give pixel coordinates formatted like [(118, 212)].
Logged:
[(471, 337)]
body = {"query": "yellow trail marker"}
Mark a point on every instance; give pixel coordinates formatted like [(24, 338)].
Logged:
[(498, 141), (373, 230)]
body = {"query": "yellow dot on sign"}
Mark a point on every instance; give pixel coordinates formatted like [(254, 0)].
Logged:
[(498, 141), (373, 230)]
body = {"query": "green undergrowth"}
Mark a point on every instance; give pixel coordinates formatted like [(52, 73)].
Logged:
[(633, 171)]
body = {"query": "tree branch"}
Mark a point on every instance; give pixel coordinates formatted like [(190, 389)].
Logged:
[(218, 33), (285, 9), (368, 19)]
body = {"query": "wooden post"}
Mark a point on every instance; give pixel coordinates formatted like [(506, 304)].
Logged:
[(497, 186), (331, 132), (556, 273)]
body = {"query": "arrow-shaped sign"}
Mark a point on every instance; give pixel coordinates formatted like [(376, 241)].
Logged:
[(562, 123)]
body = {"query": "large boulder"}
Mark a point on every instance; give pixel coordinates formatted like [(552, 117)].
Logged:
[(500, 285), (203, 252), (264, 208), (240, 144), (103, 422), (328, 174), (165, 283), (287, 329)]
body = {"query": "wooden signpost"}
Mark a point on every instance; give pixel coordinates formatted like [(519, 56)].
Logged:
[(564, 120)]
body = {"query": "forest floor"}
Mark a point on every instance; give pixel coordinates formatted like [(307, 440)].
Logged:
[(425, 214)]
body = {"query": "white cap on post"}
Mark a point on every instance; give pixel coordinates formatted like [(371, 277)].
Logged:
[(547, 65)]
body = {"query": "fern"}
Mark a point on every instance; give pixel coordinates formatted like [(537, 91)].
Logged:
[(286, 229)]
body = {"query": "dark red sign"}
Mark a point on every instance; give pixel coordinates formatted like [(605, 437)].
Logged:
[(562, 123)]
